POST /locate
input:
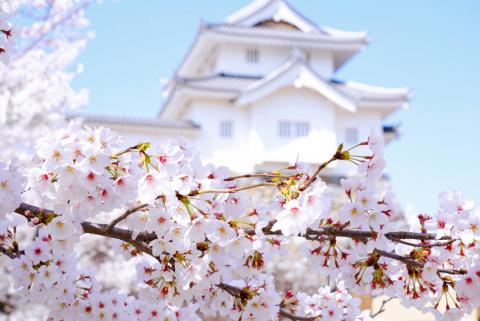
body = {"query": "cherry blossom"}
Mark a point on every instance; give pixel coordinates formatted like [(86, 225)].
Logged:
[(37, 65), (189, 240)]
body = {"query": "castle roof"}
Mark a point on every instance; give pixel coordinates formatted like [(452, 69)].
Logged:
[(273, 10), (341, 42), (274, 23), (280, 11), (238, 83), (219, 82), (133, 121), (244, 89)]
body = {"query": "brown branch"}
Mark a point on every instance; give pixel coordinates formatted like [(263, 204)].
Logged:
[(230, 289), (29, 211), (425, 245), (268, 175), (10, 254), (358, 234), (414, 236), (142, 239), (120, 234), (412, 262), (406, 260), (125, 215), (452, 271), (353, 234)]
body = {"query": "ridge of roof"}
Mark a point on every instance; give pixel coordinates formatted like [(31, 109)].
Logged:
[(319, 34), (241, 82), (134, 120), (280, 11)]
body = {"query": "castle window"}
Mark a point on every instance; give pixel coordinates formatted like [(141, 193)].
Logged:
[(284, 129), (252, 55), (351, 135), (226, 129), (308, 57), (302, 129)]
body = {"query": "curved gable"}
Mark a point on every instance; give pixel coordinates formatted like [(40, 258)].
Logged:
[(297, 74)]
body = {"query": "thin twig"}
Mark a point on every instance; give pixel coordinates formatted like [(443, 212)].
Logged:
[(54, 25), (317, 172), (382, 307), (270, 175), (231, 190)]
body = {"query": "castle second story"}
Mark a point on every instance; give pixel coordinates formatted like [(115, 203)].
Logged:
[(260, 37)]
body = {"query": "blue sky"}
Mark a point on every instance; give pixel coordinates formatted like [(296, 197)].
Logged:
[(431, 46)]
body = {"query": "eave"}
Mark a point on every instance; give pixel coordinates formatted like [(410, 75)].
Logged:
[(344, 47)]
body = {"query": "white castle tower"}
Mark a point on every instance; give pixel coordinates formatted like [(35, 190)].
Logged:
[(259, 90)]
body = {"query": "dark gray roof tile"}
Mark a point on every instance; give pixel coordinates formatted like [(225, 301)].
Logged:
[(133, 120), (221, 82)]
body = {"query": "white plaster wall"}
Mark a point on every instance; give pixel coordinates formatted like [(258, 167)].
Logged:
[(255, 138), (292, 104), (232, 59), (229, 152)]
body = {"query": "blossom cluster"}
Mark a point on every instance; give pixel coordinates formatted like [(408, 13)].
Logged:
[(202, 244), (325, 305), (37, 66)]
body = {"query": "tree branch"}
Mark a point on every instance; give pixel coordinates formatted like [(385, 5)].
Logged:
[(53, 26), (120, 234), (425, 245), (125, 215), (230, 190), (267, 175), (358, 234), (317, 172), (11, 255), (382, 307), (29, 211), (406, 260)]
